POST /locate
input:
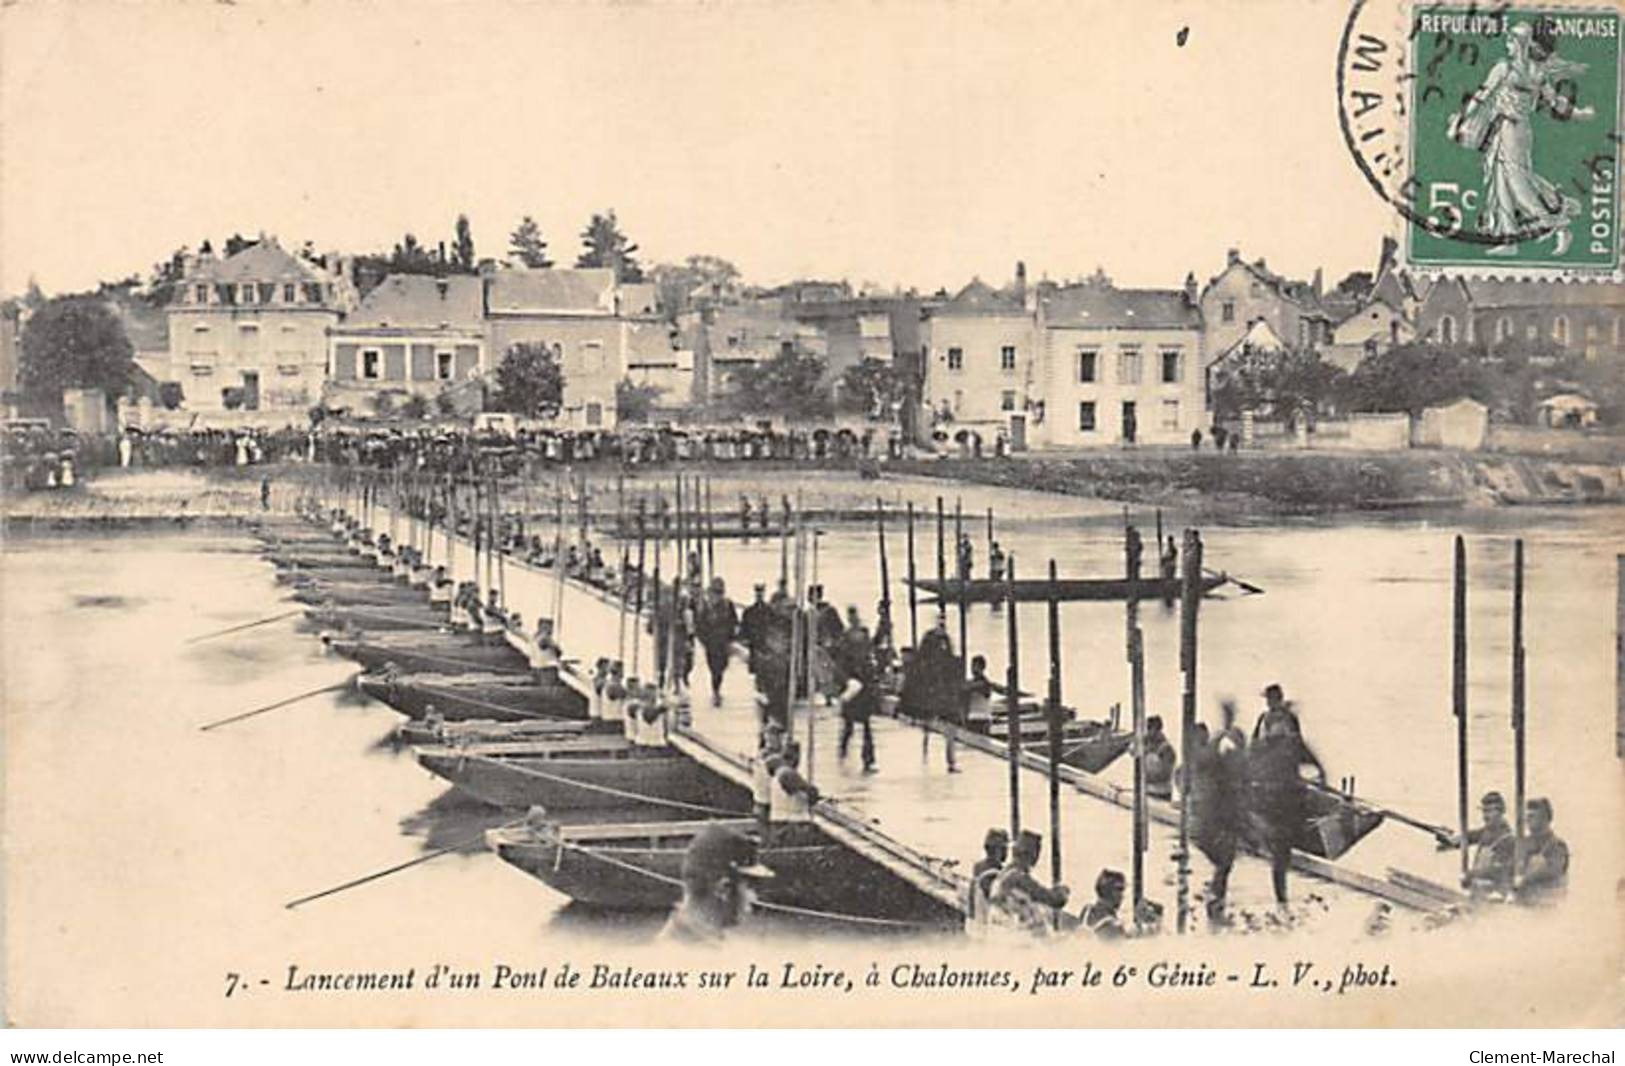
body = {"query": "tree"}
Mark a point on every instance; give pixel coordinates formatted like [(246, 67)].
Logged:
[(529, 381), (410, 257), (171, 395), (677, 281), (1356, 285), (791, 383), (1275, 383), (462, 254), (415, 407), (604, 245), (383, 405), (873, 387), (1411, 377), (166, 277), (527, 246), (634, 402), (74, 342)]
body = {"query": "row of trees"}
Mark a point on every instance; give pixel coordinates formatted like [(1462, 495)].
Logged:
[(1510, 379)]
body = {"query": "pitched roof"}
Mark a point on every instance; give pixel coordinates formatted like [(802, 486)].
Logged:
[(1103, 307), (1493, 294), (416, 301), (265, 260), (568, 291), (980, 298), (1301, 293)]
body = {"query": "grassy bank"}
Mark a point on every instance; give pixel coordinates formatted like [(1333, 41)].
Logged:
[(1294, 482)]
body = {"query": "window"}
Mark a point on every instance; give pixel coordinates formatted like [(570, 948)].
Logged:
[(313, 293), (595, 414), (288, 370), (1227, 312), (200, 328), (1170, 414), (1007, 357), (1007, 400), (1303, 332), (443, 365), (1560, 330), (370, 360), (1173, 370), (956, 358), (247, 291), (250, 331), (1447, 330), (267, 291), (202, 370), (288, 293), (201, 293), (1128, 366), (1503, 328), (1086, 416), (1086, 366)]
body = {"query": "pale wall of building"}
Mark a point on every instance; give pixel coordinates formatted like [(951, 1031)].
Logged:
[(217, 347), (1165, 412), (592, 357), (981, 390)]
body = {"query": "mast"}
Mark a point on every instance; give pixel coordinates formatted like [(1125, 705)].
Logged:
[(1190, 607)]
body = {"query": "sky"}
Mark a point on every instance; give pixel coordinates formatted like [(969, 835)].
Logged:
[(899, 143)]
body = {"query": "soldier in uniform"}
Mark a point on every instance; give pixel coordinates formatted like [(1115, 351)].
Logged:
[(995, 850), (720, 870), (1017, 891), (1491, 867), (1101, 918), (716, 624), (1545, 871)]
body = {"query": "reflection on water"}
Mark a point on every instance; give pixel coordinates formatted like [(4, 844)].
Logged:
[(454, 820)]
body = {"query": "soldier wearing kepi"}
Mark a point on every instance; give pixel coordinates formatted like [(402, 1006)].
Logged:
[(1491, 867), (1015, 889), (1545, 871), (720, 870), (716, 623)]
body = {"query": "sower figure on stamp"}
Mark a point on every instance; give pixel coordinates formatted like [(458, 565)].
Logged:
[(1498, 121)]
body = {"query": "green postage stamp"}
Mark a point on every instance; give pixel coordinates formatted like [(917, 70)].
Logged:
[(1495, 132)]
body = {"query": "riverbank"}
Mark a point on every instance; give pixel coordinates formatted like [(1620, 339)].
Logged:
[(1212, 485)]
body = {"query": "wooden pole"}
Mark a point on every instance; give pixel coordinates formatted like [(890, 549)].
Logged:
[(883, 623), (451, 528), (1054, 724), (1458, 692), (964, 590), (682, 546), (710, 535), (1190, 607), (942, 573), (990, 532), (654, 612), (1012, 696), (501, 549), (1135, 651), (913, 592), (1518, 707), (637, 609), (807, 636), (784, 547)]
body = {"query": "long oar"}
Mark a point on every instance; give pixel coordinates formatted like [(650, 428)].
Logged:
[(1236, 581), (380, 874), (245, 625), (346, 683)]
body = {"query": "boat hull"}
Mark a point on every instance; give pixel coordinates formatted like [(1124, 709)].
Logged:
[(607, 774), (1069, 590), (501, 698), (432, 653), (639, 867)]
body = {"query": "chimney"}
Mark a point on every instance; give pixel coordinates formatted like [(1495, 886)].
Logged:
[(1318, 282), (1232, 257), (1021, 282), (1190, 289), (1385, 258)]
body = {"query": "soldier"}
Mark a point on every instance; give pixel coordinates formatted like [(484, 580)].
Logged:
[(1017, 891), (995, 851), (1160, 759), (1545, 871), (720, 870), (1100, 918), (1491, 867), (716, 624), (754, 622)]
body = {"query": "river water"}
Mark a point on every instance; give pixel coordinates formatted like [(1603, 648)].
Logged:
[(147, 860)]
